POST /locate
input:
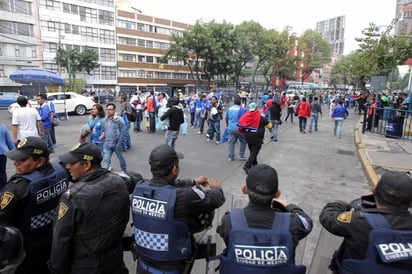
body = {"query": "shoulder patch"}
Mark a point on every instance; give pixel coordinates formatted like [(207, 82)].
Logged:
[(345, 217), (63, 208), (6, 199)]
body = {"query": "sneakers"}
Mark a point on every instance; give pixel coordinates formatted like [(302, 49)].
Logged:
[(272, 137), (230, 159), (208, 140), (245, 169), (242, 158), (199, 132), (217, 142), (310, 131)]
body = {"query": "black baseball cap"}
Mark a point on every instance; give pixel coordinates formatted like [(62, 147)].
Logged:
[(395, 188), (262, 179), (29, 146), (82, 151), (163, 157)]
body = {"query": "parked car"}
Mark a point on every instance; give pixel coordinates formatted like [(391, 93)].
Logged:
[(8, 98), (75, 103), (101, 97)]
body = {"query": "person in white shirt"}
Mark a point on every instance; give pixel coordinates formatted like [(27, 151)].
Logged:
[(26, 121)]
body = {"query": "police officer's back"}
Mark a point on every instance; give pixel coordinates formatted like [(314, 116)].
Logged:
[(91, 218), (262, 237), (377, 229), (165, 212), (30, 198)]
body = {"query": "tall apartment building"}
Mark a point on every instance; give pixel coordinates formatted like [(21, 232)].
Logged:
[(141, 42), (20, 45), (80, 24), (333, 30)]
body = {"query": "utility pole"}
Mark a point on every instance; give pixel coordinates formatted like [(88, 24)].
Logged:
[(59, 51)]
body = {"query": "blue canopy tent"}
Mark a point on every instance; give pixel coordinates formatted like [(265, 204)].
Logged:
[(38, 77)]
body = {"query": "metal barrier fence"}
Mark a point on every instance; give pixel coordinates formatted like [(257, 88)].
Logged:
[(389, 122)]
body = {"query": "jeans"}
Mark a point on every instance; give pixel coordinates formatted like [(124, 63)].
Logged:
[(314, 118), (290, 113), (152, 121), (171, 137), (197, 122), (127, 142), (139, 119), (100, 146), (201, 124), (214, 126), (337, 130), (47, 138), (107, 156), (234, 135), (275, 129), (302, 123)]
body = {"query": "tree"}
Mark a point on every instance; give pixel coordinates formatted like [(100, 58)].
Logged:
[(85, 61), (316, 52)]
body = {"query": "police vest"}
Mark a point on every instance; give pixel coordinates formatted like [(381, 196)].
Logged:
[(158, 235), (257, 250), (389, 250), (45, 191)]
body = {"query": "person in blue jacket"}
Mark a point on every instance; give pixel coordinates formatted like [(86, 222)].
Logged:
[(6, 144)]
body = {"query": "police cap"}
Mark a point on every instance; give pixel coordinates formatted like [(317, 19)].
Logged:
[(262, 179), (29, 146), (395, 188), (163, 157), (82, 151)]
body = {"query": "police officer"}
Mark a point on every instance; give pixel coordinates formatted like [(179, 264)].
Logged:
[(165, 211), (91, 218), (30, 199), (357, 222), (11, 249), (262, 237)]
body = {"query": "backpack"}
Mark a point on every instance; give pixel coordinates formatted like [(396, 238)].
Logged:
[(315, 107), (133, 115)]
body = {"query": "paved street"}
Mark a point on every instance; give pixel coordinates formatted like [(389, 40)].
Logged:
[(313, 168)]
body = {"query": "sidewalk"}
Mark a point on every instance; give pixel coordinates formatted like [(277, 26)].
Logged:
[(379, 154)]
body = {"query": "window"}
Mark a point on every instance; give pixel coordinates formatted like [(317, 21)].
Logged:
[(51, 26), (149, 59), (17, 52), (75, 29), (107, 37), (141, 43), (141, 74), (141, 58), (67, 28), (33, 52), (149, 74), (108, 73), (128, 57), (66, 7), (162, 75), (74, 9), (161, 30), (107, 55), (149, 44), (106, 17), (127, 73)]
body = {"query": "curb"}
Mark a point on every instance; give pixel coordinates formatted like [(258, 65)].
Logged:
[(367, 167)]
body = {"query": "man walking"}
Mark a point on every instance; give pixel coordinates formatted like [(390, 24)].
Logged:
[(316, 109), (175, 116), (253, 124), (26, 121), (125, 112), (46, 112), (233, 115), (113, 134)]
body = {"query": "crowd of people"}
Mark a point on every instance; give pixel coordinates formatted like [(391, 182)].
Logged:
[(61, 214)]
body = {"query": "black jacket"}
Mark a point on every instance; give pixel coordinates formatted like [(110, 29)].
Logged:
[(340, 220), (90, 223), (175, 115)]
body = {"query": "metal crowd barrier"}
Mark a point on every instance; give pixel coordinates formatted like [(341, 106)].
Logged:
[(389, 122)]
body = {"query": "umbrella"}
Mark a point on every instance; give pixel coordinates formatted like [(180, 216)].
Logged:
[(37, 76)]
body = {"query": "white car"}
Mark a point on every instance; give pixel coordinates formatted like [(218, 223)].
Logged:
[(75, 103)]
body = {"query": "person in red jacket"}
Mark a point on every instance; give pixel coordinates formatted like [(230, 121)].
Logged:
[(303, 111)]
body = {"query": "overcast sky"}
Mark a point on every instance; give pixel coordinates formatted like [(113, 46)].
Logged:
[(299, 14)]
